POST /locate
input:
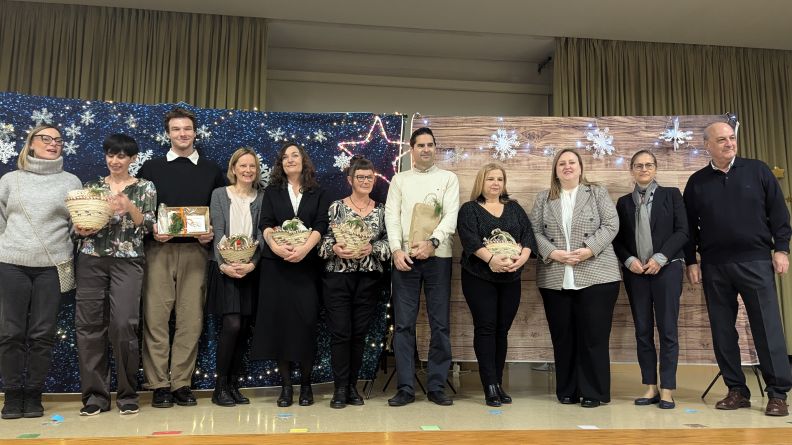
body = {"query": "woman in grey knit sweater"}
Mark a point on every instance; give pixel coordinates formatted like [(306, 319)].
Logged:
[(32, 214)]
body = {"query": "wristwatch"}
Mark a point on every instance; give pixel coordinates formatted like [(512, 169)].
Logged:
[(435, 242)]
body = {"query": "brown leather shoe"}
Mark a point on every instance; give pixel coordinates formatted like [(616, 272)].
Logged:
[(734, 400), (776, 407)]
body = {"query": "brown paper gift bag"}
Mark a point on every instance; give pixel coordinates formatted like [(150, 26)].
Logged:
[(425, 218)]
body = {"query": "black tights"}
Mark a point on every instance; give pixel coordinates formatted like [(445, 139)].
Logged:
[(285, 367), (232, 344)]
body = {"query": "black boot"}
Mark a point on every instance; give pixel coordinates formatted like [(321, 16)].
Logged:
[(339, 399), (353, 397), (491, 397), (31, 403), (286, 397), (505, 398), (306, 395), (233, 388), (12, 408), (221, 396)]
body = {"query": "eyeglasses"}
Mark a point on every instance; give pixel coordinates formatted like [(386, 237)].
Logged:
[(364, 178), (47, 139), (647, 166)]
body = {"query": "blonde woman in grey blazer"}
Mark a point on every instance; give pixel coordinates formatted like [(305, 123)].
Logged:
[(577, 273)]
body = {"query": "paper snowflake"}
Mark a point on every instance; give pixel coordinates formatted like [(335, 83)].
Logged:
[(131, 121), (320, 136), (203, 132), (70, 148), (455, 155), (142, 157), (7, 151), (675, 135), (549, 151), (72, 131), (504, 143), (601, 143), (87, 118), (342, 161), (6, 131), (162, 138), (41, 116), (277, 134), (266, 172)]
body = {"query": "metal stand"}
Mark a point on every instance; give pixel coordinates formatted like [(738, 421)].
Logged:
[(755, 370)]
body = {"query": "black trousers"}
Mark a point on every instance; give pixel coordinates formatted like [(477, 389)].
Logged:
[(29, 304), (350, 300), (580, 326), (755, 283), (493, 307), (655, 299)]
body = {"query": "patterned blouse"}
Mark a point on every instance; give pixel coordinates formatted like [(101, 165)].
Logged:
[(121, 238), (380, 251)]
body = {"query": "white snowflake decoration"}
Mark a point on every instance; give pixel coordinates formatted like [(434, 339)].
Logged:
[(162, 138), (277, 134), (41, 116), (675, 135), (142, 157), (70, 148), (320, 136), (455, 155), (549, 151), (342, 161), (601, 143), (203, 132), (7, 151), (131, 121), (72, 131), (504, 143), (6, 131), (87, 118), (266, 172)]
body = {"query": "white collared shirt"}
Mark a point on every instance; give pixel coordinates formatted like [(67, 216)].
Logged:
[(727, 168), (193, 157), (295, 198)]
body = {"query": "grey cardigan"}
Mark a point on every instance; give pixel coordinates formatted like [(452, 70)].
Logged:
[(220, 214), (594, 225)]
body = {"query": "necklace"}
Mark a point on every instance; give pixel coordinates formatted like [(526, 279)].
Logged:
[(360, 209)]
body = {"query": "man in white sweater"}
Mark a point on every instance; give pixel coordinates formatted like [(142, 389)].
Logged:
[(426, 262)]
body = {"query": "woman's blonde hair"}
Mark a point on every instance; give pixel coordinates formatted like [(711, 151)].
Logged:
[(477, 194), (232, 179), (22, 160), (555, 183)]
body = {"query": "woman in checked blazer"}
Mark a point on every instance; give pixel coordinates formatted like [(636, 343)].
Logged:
[(577, 273)]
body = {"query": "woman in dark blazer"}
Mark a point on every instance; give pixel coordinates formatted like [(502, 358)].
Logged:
[(574, 223), (233, 287), (290, 275), (653, 231)]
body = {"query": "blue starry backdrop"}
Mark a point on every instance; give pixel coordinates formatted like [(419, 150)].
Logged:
[(330, 139)]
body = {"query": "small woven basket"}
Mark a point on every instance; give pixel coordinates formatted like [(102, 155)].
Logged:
[(291, 237), (88, 209), (502, 243), (231, 255), (353, 236)]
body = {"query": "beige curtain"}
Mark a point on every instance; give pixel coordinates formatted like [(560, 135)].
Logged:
[(606, 78), (132, 55)]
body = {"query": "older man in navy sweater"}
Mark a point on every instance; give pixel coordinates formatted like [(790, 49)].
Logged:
[(737, 216)]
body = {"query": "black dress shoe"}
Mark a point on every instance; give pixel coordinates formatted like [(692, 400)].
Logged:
[(665, 404), (439, 398), (339, 399), (505, 398), (184, 397), (353, 397), (306, 395), (286, 396), (162, 398), (233, 388), (221, 396), (491, 397), (643, 401), (566, 400), (401, 398), (589, 403)]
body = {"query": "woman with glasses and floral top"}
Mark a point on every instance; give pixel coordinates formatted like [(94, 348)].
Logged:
[(353, 279), (653, 229), (109, 279), (34, 237)]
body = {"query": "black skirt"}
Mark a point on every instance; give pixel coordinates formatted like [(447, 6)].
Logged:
[(225, 295)]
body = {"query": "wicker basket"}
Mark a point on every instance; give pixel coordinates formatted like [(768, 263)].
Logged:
[(502, 243), (89, 210), (354, 235), (231, 255), (291, 238)]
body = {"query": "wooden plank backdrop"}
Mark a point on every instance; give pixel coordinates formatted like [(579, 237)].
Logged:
[(466, 143)]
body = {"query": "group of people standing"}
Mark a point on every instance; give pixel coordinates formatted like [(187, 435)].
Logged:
[(732, 214)]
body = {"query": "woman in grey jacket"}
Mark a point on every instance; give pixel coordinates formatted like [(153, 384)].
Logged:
[(34, 237), (577, 273), (232, 290)]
